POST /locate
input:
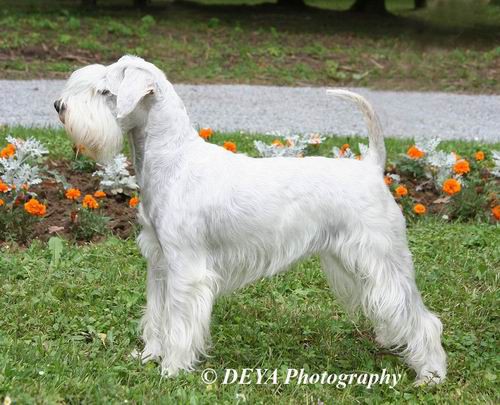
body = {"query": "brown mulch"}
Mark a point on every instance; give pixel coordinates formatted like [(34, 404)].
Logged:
[(58, 220)]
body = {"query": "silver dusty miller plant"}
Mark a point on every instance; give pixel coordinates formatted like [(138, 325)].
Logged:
[(348, 153), (115, 176), (294, 146), (496, 159), (437, 164), (20, 170)]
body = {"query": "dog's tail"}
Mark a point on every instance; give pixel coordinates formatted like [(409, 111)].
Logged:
[(376, 146)]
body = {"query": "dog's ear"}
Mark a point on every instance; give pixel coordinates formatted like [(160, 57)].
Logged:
[(130, 85)]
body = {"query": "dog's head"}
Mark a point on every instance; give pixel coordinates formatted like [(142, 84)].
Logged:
[(101, 103)]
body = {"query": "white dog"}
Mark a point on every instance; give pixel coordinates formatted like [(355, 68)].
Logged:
[(214, 221)]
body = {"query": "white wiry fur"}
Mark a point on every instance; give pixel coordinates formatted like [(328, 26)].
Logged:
[(214, 221)]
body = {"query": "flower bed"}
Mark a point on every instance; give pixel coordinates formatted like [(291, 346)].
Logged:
[(41, 197)]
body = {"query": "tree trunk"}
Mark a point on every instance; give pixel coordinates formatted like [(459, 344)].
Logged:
[(291, 3), (141, 3), (369, 6), (420, 4)]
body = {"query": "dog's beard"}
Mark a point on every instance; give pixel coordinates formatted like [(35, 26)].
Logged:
[(92, 127)]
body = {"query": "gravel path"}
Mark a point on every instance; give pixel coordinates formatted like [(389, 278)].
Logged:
[(289, 110)]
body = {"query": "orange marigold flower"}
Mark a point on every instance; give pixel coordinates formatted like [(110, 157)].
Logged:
[(479, 155), (99, 194), (230, 146), (461, 167), (419, 209), (343, 149), (206, 133), (496, 212), (2, 202), (451, 186), (388, 180), (35, 207), (278, 143), (133, 202), (3, 187), (415, 153), (401, 191), (90, 202), (73, 193), (8, 151)]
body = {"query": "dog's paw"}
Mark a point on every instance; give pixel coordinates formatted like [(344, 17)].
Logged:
[(150, 353), (428, 378)]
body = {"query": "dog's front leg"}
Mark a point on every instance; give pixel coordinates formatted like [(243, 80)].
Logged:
[(190, 292), (151, 323)]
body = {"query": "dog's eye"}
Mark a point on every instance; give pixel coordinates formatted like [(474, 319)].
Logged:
[(105, 92)]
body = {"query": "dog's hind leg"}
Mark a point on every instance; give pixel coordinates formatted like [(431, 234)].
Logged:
[(389, 297), (189, 298), (343, 283)]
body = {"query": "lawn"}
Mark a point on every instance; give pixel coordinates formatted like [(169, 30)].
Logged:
[(68, 327), (451, 50), (70, 319)]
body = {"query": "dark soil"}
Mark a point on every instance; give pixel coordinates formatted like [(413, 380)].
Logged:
[(61, 218)]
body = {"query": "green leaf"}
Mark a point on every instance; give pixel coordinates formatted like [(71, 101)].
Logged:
[(56, 248)]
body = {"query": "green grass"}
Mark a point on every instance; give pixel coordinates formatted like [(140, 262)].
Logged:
[(69, 324), (454, 49), (52, 347)]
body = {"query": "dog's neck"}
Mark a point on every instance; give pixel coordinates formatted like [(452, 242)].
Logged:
[(137, 138), (165, 133)]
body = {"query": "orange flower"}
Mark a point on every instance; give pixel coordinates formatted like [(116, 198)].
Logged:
[(8, 151), (415, 153), (401, 191), (206, 133), (461, 167), (230, 146), (451, 186), (36, 208), (388, 180), (496, 212), (2, 202), (73, 193), (419, 209), (90, 202), (343, 148), (99, 194), (278, 143), (132, 203), (479, 155), (3, 187)]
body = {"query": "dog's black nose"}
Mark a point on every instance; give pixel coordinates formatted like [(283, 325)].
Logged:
[(57, 105)]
